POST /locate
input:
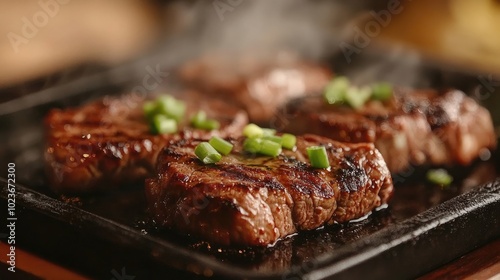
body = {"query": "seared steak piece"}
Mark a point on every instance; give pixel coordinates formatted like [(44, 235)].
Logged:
[(108, 143), (259, 86), (415, 127), (256, 200)]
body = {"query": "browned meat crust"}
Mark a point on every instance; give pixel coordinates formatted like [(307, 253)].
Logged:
[(259, 87), (415, 127), (107, 144), (256, 200)]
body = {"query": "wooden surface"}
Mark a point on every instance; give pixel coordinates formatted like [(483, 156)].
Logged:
[(482, 263), (36, 266)]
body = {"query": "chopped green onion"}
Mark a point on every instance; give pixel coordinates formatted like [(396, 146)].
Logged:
[(200, 116), (439, 177), (222, 146), (288, 141), (164, 113), (171, 107), (253, 131), (336, 90), (200, 121), (275, 139), (382, 91), (163, 125), (206, 153), (209, 124), (252, 145), (149, 108), (339, 90), (270, 148), (268, 132), (357, 97), (318, 157)]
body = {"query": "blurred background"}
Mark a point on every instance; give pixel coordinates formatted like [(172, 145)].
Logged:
[(49, 43), (58, 53)]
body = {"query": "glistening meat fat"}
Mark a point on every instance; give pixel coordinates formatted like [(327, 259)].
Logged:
[(247, 199)]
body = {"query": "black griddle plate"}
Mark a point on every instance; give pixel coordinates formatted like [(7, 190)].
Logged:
[(403, 249), (423, 227)]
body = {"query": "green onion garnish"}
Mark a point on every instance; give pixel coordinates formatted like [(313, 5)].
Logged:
[(252, 145), (382, 91), (162, 125), (318, 157), (288, 141), (339, 90), (270, 148), (439, 177), (253, 131), (149, 108), (209, 124), (265, 141), (200, 116), (268, 132), (200, 121), (222, 146), (261, 146), (206, 153), (164, 113), (171, 107), (336, 90), (275, 139), (357, 97)]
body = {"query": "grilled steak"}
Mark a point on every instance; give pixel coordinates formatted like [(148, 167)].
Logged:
[(256, 200), (415, 127), (256, 86), (108, 143)]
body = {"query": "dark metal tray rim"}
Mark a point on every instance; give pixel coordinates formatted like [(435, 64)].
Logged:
[(482, 201)]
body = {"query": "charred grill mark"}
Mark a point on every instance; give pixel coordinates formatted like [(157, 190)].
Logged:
[(437, 117), (246, 173), (272, 198), (410, 129), (351, 178), (310, 183), (434, 112), (409, 107), (264, 162), (113, 141)]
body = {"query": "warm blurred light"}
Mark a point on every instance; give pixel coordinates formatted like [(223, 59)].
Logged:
[(462, 32), (44, 36)]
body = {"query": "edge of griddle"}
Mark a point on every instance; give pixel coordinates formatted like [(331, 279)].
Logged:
[(402, 250)]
